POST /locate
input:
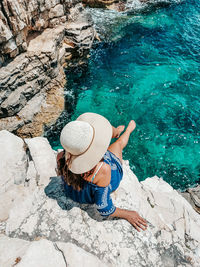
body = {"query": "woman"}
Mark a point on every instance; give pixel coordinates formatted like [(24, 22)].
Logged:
[(92, 168)]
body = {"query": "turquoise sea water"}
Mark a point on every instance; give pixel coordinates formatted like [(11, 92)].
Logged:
[(148, 69)]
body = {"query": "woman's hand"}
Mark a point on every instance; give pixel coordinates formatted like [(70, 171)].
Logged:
[(132, 217), (136, 220)]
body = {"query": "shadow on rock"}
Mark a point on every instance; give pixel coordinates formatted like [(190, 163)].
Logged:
[(55, 190)]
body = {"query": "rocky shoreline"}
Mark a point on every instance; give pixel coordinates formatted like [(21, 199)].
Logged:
[(35, 226), (39, 40)]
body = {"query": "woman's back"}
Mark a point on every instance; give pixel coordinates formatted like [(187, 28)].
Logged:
[(94, 193)]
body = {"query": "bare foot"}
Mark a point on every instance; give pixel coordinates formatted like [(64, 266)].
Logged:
[(120, 129), (131, 126)]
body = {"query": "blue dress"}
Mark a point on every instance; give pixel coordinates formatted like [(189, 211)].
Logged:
[(98, 195)]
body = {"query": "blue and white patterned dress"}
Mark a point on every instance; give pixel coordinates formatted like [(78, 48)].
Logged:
[(94, 194)]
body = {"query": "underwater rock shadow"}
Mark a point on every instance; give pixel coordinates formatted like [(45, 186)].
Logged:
[(55, 190)]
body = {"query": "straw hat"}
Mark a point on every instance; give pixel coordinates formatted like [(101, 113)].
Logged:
[(86, 139)]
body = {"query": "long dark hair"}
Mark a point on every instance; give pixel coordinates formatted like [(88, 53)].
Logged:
[(75, 180)]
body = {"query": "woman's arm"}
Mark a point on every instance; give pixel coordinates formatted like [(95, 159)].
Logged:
[(132, 217)]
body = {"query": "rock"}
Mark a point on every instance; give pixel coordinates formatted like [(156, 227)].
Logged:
[(171, 239), (30, 94), (13, 160), (76, 256), (43, 157), (172, 207), (11, 250), (11, 123), (32, 108), (6, 33), (192, 195), (48, 41), (80, 31), (195, 195), (29, 72), (49, 112), (30, 81), (32, 177), (99, 3), (20, 18), (8, 199), (127, 5), (44, 253), (56, 11)]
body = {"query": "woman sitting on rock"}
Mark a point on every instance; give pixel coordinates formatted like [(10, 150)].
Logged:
[(92, 168)]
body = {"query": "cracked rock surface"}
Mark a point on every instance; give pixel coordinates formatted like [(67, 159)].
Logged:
[(39, 222), (38, 39)]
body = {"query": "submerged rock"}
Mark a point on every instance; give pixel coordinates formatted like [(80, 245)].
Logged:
[(171, 239)]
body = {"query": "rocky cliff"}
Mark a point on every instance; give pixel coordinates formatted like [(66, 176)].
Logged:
[(37, 40), (39, 226)]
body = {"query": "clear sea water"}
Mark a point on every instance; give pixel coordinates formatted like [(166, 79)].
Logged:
[(147, 69)]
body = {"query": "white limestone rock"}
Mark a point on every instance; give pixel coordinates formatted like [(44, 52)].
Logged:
[(44, 253), (13, 160), (168, 241), (14, 195), (32, 176), (47, 42), (11, 250), (32, 108), (173, 209), (172, 238), (43, 157), (76, 256), (56, 11)]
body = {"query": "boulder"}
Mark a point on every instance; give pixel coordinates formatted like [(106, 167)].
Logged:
[(172, 208), (44, 253), (43, 157), (193, 197), (15, 194), (13, 160), (11, 250)]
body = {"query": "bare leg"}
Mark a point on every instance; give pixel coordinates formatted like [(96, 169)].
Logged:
[(117, 147), (117, 131)]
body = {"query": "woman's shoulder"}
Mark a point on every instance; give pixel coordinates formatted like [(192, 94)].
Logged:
[(104, 176)]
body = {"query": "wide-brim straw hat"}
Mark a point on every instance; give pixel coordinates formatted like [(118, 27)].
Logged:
[(86, 140)]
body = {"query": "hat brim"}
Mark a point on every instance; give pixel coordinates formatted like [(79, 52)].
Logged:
[(101, 140)]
